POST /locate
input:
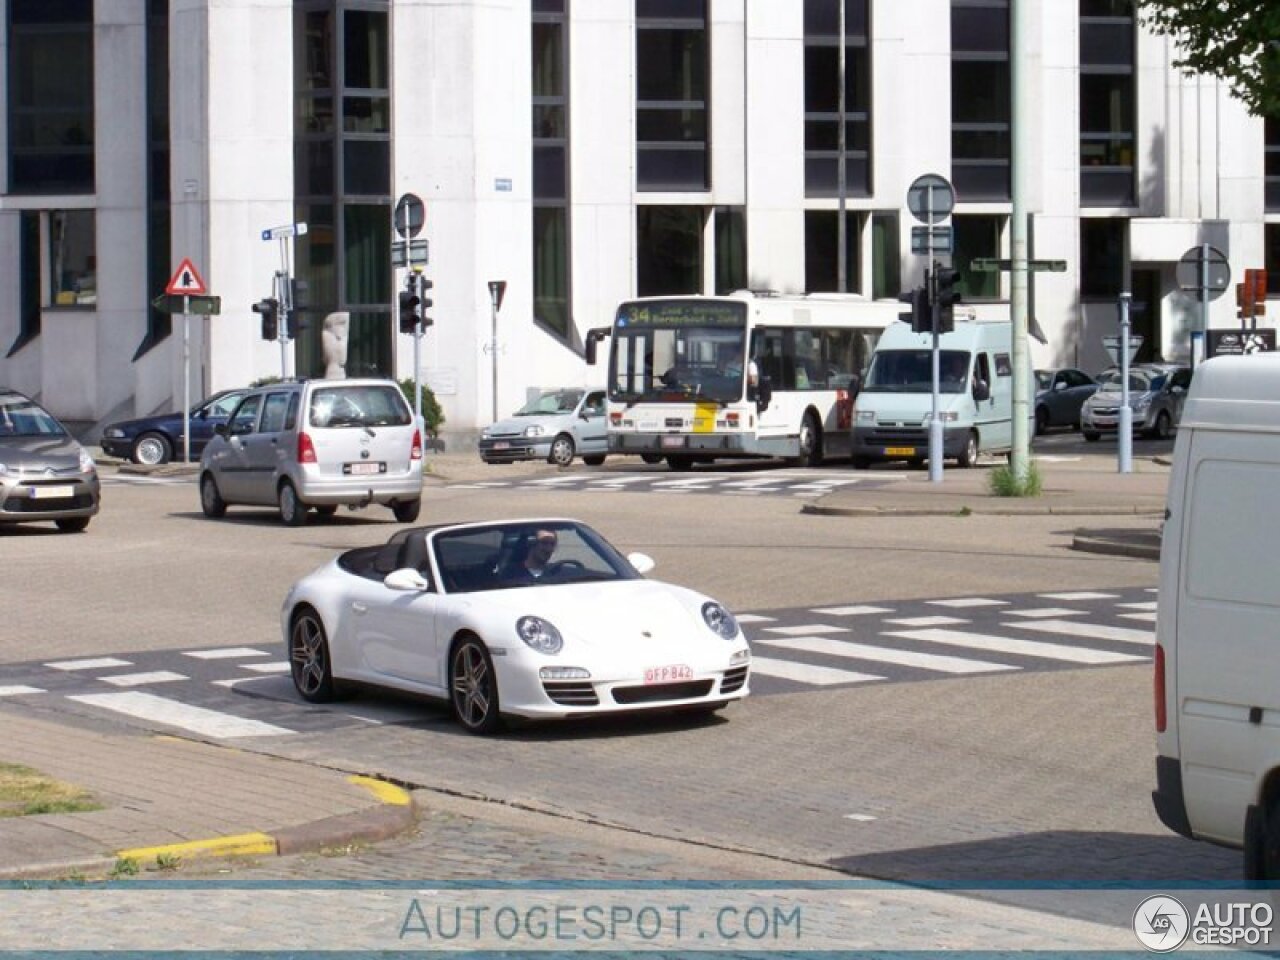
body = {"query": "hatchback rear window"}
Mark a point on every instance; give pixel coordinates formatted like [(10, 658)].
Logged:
[(358, 406)]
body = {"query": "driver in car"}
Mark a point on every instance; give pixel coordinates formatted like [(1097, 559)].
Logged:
[(537, 558)]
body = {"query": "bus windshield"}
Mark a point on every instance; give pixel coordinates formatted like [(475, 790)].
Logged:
[(911, 371), (678, 350)]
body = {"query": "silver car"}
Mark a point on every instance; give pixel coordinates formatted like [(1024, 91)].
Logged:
[(316, 444), (44, 473), (555, 426), (1157, 392)]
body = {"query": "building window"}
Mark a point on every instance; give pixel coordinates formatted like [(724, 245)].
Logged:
[(1107, 103), (1272, 258), (28, 279), (731, 249), (672, 81), (51, 96), (551, 166), (980, 99), (668, 250), (342, 178), (822, 98), (1272, 164), (976, 237), (822, 250), (73, 277), (1102, 259), (159, 229), (886, 256)]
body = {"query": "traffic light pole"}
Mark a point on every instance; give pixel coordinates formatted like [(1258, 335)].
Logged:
[(1020, 452), (936, 434), (417, 350)]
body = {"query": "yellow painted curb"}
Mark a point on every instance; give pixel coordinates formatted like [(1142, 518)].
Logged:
[(240, 845), (386, 792)]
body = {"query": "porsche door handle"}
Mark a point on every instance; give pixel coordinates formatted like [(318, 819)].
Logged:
[(358, 607)]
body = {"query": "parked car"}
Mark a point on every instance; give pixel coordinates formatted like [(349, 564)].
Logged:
[(1059, 396), (555, 426), (1156, 395), (44, 473), (457, 612), (316, 443), (158, 439)]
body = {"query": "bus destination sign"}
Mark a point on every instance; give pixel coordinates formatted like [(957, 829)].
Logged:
[(682, 313)]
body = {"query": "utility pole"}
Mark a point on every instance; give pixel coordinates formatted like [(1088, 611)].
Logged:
[(1020, 456)]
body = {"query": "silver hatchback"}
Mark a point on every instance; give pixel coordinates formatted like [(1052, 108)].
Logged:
[(44, 473), (316, 444)]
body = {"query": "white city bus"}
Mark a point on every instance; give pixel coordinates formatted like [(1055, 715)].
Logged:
[(679, 388)]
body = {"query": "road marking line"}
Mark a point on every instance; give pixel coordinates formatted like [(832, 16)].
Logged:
[(18, 690), (1080, 595), (927, 621), (807, 672), (1145, 617), (140, 679), (207, 723), (1024, 648), (1044, 612), (903, 658), (850, 611), (554, 481), (806, 630), (101, 663), (1089, 631), (278, 666), (753, 618), (225, 653), (969, 602), (1144, 605)]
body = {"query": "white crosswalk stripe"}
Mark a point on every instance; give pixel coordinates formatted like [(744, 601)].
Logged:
[(1022, 648), (184, 716), (142, 679), (903, 658), (807, 672), (1089, 631)]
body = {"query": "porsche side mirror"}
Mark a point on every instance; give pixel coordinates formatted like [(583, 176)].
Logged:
[(641, 561), (407, 580)]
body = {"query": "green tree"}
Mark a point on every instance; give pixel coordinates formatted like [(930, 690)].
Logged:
[(1237, 41), (432, 412)]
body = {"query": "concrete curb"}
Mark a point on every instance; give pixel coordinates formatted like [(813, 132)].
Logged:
[(979, 507), (1115, 548)]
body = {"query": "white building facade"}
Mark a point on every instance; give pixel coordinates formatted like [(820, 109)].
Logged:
[(583, 152)]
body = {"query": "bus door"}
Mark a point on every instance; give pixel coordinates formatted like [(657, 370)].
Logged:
[(771, 352)]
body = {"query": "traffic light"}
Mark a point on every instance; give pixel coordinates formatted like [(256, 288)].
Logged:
[(424, 285), (410, 304), (919, 318), (946, 296), (294, 324), (270, 311)]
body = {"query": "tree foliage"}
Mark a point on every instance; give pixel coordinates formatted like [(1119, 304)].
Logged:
[(1237, 41)]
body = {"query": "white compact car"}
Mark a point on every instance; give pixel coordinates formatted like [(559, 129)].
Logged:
[(537, 618), (555, 426)]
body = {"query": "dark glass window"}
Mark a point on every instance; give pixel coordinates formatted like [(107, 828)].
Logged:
[(668, 250), (731, 249), (976, 237), (550, 117), (73, 258), (1272, 164), (159, 230), (50, 105), (672, 74), (822, 98), (1272, 258), (28, 279), (980, 99), (886, 256), (822, 250), (1102, 258), (1108, 103)]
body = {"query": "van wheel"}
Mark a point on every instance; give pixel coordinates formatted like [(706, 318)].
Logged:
[(1163, 426), (211, 501), (810, 443), (406, 511), (1092, 437), (594, 461), (1042, 421), (292, 510), (561, 451), (1262, 843), (651, 457), (969, 455)]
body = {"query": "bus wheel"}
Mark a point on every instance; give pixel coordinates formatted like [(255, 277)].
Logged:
[(810, 443), (970, 452), (861, 463), (651, 457), (680, 464)]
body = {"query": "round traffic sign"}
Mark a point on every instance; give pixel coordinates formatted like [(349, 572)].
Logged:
[(409, 216), (931, 198), (1204, 270)]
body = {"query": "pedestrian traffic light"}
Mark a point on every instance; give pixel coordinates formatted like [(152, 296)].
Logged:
[(270, 312), (946, 296), (410, 304), (918, 298), (424, 285)]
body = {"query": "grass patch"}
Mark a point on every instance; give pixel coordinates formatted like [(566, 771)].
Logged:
[(25, 792), (1005, 483)]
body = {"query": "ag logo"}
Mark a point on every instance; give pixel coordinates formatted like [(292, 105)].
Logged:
[(1161, 923)]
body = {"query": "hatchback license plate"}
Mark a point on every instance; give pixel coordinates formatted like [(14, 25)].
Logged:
[(668, 674), (899, 451), (362, 469), (50, 493), (673, 443), (501, 445)]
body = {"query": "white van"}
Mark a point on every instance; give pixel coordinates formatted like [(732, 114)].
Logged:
[(975, 403), (1217, 662)]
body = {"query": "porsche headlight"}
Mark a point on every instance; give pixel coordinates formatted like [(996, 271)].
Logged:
[(86, 461), (720, 620), (114, 432), (539, 634), (534, 431)]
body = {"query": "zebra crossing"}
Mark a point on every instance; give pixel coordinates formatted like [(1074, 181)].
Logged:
[(797, 483), (230, 693)]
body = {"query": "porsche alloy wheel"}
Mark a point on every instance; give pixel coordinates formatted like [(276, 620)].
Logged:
[(309, 658), (473, 687)]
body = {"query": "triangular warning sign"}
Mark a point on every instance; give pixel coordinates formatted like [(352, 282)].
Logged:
[(186, 280)]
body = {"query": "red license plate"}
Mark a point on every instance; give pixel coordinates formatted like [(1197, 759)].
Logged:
[(668, 674)]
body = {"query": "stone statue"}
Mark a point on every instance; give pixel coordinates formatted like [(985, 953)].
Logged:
[(333, 341)]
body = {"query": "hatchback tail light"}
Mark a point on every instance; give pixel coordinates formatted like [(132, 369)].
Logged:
[(306, 449), (1162, 718), (415, 453)]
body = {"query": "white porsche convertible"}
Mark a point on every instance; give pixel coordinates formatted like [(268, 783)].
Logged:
[(527, 618)]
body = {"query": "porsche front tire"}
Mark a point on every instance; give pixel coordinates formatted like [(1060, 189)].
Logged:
[(473, 687)]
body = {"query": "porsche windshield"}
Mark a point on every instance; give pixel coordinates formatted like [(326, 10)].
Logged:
[(678, 350), (911, 371), (531, 554)]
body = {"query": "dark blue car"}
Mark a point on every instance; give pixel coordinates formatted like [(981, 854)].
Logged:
[(158, 439)]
